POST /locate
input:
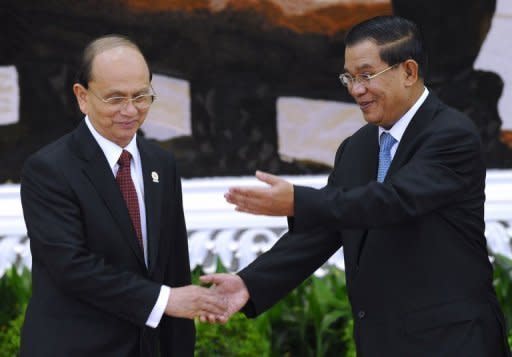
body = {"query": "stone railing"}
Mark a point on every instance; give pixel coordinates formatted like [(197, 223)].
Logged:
[(218, 233)]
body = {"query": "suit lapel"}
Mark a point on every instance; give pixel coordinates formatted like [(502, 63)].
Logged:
[(415, 127), (363, 146), (366, 148), (151, 172), (98, 171), (370, 155)]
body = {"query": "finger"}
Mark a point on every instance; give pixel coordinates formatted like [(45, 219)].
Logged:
[(212, 318), (253, 203), (222, 319), (206, 279), (262, 210), (206, 311), (268, 178), (214, 305), (243, 202), (245, 210), (250, 192), (212, 278), (204, 317), (231, 198)]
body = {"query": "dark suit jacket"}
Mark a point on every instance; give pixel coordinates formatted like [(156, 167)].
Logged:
[(418, 275), (92, 292)]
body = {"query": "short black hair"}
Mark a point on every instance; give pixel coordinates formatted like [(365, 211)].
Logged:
[(399, 39), (97, 46)]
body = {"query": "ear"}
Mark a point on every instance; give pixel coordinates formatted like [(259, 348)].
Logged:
[(81, 97), (410, 72)]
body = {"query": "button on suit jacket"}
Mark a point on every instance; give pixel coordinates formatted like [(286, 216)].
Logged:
[(92, 292), (418, 275)]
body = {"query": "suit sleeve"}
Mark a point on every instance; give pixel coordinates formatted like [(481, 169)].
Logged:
[(57, 239), (302, 223), (293, 258), (445, 166)]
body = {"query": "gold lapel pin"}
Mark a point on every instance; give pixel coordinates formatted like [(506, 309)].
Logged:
[(154, 176)]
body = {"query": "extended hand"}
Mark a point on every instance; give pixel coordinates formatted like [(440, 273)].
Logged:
[(276, 200), (193, 301), (233, 288)]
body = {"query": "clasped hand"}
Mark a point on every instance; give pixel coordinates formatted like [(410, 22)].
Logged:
[(216, 304)]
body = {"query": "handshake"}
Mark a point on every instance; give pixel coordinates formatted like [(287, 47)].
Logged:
[(228, 293), (216, 304)]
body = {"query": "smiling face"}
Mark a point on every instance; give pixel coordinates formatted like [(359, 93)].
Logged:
[(388, 96), (116, 72)]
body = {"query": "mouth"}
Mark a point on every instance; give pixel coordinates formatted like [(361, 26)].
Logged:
[(364, 105), (127, 124)]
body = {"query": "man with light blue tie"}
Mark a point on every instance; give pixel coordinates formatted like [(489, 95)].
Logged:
[(405, 200), (386, 144)]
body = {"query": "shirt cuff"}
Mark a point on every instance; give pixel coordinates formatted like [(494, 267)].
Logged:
[(158, 310)]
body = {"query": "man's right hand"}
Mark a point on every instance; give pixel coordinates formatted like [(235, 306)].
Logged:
[(194, 301), (232, 288)]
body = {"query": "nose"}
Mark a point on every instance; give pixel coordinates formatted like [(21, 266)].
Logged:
[(129, 108), (356, 89)]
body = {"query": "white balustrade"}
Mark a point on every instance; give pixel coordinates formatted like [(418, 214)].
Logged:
[(218, 233)]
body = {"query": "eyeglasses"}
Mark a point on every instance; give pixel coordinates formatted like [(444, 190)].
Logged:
[(141, 102), (348, 80)]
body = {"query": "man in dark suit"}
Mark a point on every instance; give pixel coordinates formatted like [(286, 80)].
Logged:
[(103, 209), (405, 200)]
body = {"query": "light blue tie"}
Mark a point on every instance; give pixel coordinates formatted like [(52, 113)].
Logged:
[(386, 142)]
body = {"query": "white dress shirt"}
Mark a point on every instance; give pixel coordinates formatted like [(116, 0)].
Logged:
[(112, 153)]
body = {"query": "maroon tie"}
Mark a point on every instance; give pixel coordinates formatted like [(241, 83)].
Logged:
[(124, 180)]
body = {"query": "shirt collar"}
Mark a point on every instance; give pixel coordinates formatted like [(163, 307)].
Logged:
[(111, 150), (398, 129)]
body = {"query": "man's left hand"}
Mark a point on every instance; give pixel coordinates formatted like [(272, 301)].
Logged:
[(275, 200)]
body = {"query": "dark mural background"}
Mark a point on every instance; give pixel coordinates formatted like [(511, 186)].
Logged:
[(238, 61)]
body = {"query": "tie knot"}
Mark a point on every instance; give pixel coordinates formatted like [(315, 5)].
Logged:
[(125, 158), (386, 141)]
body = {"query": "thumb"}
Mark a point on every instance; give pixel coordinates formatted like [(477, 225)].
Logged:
[(211, 279), (267, 178)]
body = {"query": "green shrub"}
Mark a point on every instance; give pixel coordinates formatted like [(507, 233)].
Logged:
[(15, 290), (503, 286), (10, 336), (239, 337), (348, 338), (313, 320)]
